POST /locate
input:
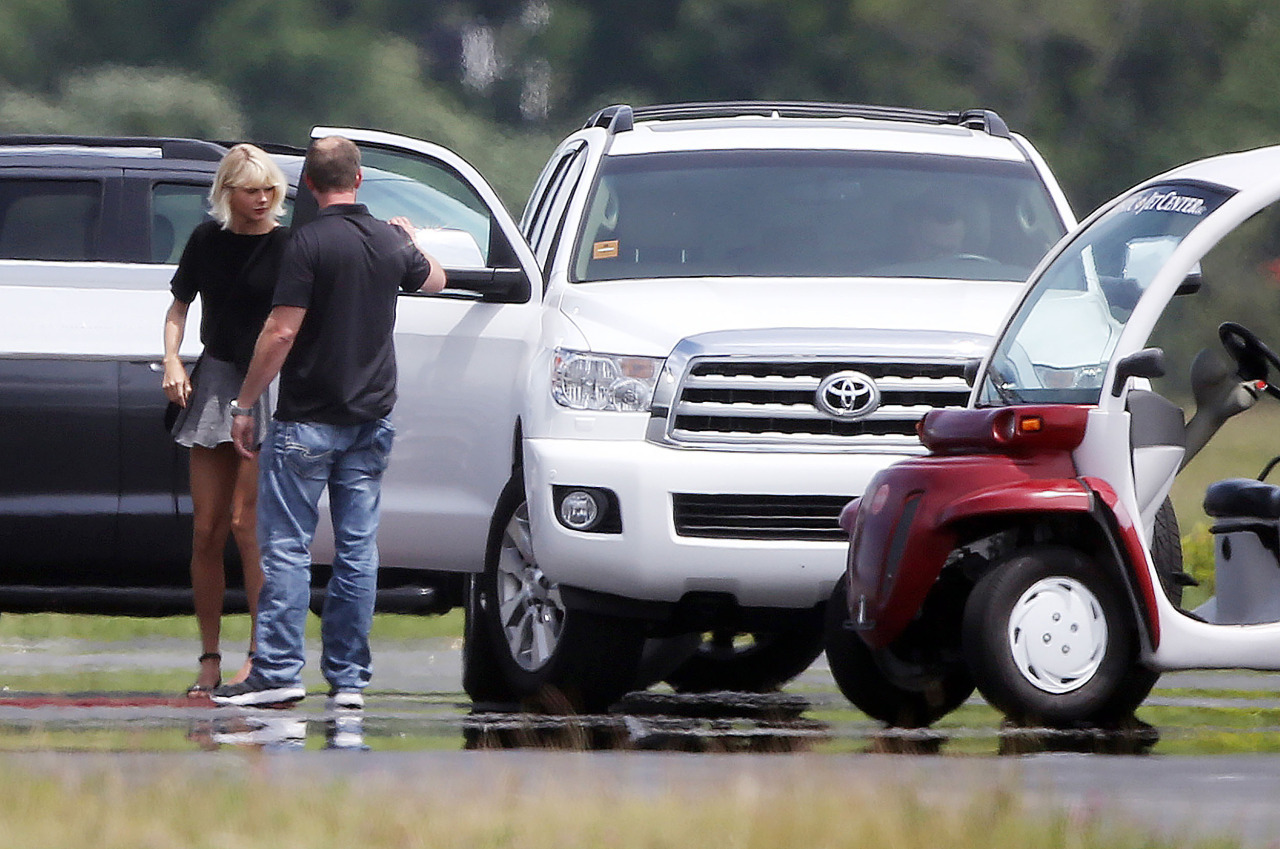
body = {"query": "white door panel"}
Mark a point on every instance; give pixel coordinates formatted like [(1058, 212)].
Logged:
[(461, 363)]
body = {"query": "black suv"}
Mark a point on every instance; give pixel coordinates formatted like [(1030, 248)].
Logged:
[(95, 509)]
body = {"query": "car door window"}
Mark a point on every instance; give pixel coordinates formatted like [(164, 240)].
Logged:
[(434, 198), (176, 210), (49, 219)]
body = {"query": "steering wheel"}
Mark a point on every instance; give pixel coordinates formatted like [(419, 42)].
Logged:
[(1252, 355)]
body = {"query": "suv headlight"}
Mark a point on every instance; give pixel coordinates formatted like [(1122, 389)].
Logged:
[(582, 380)]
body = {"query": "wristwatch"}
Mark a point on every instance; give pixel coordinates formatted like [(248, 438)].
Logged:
[(237, 410)]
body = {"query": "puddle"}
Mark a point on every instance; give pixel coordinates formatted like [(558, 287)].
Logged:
[(421, 707)]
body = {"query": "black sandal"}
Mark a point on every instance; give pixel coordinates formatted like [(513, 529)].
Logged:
[(197, 690)]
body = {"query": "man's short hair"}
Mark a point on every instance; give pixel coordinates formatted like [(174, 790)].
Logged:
[(333, 163)]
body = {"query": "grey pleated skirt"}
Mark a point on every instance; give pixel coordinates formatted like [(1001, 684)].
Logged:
[(206, 420)]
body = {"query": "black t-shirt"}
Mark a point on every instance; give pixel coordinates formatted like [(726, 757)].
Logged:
[(345, 268), (235, 276)]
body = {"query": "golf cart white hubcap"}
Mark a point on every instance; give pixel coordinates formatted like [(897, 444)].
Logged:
[(529, 606), (1058, 635)]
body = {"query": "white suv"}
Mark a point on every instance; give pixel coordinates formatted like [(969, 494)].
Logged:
[(738, 313)]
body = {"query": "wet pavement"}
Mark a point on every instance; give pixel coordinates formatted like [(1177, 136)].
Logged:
[(416, 703), (417, 726)]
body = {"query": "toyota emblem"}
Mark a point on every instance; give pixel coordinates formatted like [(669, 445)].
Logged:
[(847, 395)]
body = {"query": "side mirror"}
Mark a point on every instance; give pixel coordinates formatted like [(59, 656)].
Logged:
[(493, 285), (464, 265), (1149, 362)]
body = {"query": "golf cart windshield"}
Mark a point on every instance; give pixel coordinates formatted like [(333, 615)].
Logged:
[(1056, 348)]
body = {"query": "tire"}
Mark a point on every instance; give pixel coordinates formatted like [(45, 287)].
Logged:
[(482, 675), (751, 662), (1166, 551), (1051, 640), (545, 655), (883, 685)]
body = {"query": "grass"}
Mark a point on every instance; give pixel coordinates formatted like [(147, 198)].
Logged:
[(253, 808), (235, 629)]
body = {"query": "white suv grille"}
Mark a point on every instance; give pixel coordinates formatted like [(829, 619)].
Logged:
[(735, 401), (746, 402)]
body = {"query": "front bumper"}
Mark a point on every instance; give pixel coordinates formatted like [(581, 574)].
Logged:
[(648, 560)]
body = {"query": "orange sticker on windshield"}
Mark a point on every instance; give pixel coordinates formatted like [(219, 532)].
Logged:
[(605, 250)]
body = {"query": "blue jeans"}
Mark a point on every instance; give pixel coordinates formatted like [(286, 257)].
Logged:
[(300, 459)]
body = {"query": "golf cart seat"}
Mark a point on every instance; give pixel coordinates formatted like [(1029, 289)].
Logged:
[(1242, 497)]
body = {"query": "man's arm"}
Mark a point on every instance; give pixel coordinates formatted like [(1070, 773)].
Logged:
[(269, 353), (435, 280)]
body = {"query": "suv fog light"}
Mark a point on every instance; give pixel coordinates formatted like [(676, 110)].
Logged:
[(580, 510), (587, 509)]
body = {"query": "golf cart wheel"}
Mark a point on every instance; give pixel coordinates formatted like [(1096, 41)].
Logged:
[(882, 684), (1051, 640)]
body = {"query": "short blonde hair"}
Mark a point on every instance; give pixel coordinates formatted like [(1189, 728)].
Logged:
[(245, 165)]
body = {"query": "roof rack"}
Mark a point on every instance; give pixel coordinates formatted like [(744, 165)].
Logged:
[(269, 147), (620, 117), (170, 148)]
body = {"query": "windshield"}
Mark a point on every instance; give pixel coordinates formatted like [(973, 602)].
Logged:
[(1057, 347), (814, 213)]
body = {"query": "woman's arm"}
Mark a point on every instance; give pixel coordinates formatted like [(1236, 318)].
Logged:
[(176, 383)]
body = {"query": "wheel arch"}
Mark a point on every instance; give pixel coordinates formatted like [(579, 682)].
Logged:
[(1091, 520), (977, 528)]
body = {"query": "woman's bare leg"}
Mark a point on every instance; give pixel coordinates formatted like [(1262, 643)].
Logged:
[(213, 476), (244, 527)]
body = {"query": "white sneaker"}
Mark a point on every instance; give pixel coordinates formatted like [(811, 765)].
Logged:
[(252, 692), (345, 700)]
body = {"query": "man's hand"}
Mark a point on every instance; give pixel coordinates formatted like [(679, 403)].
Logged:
[(404, 224), (242, 433)]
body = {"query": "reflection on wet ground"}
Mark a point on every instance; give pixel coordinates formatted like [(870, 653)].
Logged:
[(725, 722), (653, 721), (421, 707)]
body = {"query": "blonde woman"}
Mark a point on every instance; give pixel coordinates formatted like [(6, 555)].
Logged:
[(231, 262)]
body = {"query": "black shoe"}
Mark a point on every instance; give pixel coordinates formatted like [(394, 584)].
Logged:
[(254, 692)]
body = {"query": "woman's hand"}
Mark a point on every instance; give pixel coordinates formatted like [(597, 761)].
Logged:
[(175, 383)]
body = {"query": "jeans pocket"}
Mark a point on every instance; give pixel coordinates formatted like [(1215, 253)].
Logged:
[(376, 455), (308, 449)]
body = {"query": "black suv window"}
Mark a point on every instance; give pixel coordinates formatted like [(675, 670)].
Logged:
[(176, 209), (49, 219)]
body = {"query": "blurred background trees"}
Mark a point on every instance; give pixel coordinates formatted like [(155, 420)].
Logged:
[(1111, 91)]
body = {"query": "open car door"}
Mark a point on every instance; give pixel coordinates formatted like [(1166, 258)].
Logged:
[(461, 354)]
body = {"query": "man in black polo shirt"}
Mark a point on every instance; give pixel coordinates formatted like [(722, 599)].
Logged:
[(329, 336)]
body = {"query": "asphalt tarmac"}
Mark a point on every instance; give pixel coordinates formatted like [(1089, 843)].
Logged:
[(418, 725)]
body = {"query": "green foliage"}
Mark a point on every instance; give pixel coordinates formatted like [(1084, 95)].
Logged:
[(29, 30), (1110, 92), (1197, 561), (116, 100)]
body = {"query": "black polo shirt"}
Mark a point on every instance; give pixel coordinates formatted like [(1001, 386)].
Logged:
[(345, 268)]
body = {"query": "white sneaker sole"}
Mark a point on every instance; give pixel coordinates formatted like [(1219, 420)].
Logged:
[(263, 698)]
